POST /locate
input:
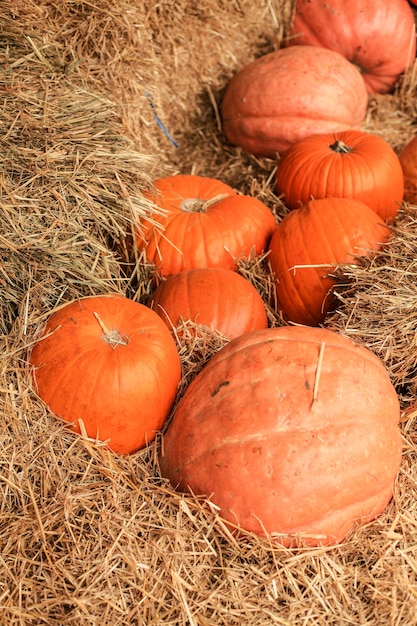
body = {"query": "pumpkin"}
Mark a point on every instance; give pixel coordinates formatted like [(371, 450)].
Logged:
[(112, 363), (220, 299), (307, 246), (378, 37), (289, 94), (408, 161), (202, 222), (292, 431), (351, 164)]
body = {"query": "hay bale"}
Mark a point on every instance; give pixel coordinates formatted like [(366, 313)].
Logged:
[(70, 181), (90, 538), (378, 306)]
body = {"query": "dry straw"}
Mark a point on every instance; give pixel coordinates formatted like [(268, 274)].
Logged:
[(88, 538), (378, 305)]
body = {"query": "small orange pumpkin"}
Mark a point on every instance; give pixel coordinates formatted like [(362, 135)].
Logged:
[(309, 243), (290, 431), (217, 298), (347, 164), (111, 363), (202, 223)]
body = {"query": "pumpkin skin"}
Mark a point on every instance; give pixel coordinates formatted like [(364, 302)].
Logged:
[(291, 430), (360, 31), (121, 383), (203, 223), (289, 94), (408, 161), (348, 164), (217, 298), (308, 244)]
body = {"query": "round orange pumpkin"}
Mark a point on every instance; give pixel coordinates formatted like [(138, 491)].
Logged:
[(408, 161), (112, 363), (347, 164), (202, 222), (378, 37), (309, 243), (290, 94), (217, 298), (291, 431)]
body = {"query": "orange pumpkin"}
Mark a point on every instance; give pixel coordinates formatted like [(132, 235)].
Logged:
[(111, 363), (289, 94), (217, 298), (307, 246), (378, 37), (408, 161), (348, 164), (292, 431), (202, 222)]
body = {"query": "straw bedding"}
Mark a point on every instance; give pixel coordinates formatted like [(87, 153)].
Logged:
[(98, 98)]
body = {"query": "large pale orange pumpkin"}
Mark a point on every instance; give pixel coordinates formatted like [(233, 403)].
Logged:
[(348, 164), (111, 363), (290, 94), (408, 161), (217, 298), (307, 246), (292, 431), (202, 222), (376, 36)]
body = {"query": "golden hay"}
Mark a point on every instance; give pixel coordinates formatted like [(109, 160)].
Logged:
[(378, 306), (88, 538)]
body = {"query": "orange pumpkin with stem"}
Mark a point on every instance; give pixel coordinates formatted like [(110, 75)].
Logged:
[(111, 363), (202, 222), (348, 164)]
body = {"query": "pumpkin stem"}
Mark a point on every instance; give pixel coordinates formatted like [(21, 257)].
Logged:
[(112, 337), (197, 205), (339, 146)]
